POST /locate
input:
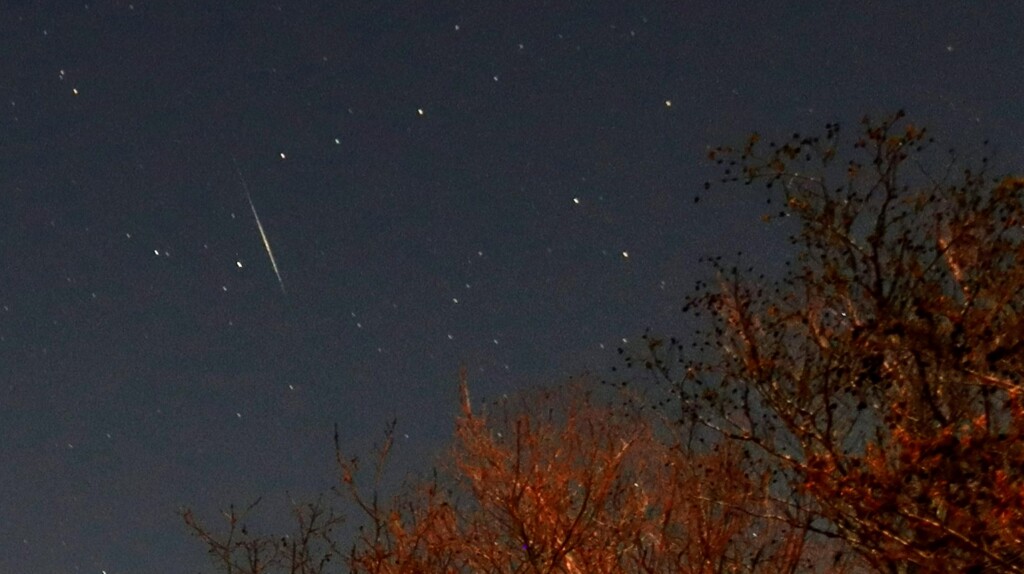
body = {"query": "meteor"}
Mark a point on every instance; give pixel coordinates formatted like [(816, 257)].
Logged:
[(259, 226)]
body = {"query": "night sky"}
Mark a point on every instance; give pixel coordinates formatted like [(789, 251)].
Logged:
[(505, 185)]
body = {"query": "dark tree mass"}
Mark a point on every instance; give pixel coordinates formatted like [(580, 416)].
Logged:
[(239, 237), (880, 378)]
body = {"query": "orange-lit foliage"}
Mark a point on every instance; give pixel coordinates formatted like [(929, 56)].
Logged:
[(554, 483), (882, 376), (562, 485)]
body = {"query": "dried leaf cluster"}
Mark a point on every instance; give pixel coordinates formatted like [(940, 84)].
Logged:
[(881, 377)]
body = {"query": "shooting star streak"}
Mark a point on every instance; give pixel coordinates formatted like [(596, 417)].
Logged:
[(259, 226)]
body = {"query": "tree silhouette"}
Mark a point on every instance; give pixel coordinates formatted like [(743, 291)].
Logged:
[(312, 549), (557, 482), (561, 484), (879, 379)]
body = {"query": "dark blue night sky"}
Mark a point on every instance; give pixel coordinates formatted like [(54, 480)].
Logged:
[(504, 185)]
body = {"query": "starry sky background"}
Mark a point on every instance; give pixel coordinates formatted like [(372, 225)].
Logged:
[(442, 183)]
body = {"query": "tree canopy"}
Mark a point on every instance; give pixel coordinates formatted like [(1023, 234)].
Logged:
[(880, 378), (862, 412)]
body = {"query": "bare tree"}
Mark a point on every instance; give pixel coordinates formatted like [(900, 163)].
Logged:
[(557, 483), (880, 379), (551, 482), (310, 550)]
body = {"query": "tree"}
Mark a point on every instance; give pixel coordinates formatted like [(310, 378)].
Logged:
[(561, 483), (312, 549), (880, 379), (862, 412)]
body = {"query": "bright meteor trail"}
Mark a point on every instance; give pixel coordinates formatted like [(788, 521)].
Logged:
[(259, 225)]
